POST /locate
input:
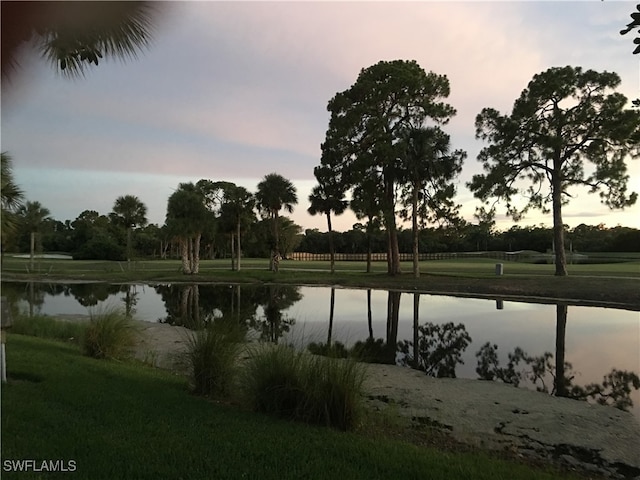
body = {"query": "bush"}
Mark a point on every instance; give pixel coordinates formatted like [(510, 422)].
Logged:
[(101, 247), (47, 327), (109, 334), (212, 356), (299, 386)]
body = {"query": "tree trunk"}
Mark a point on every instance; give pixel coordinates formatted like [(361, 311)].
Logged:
[(185, 251), (561, 328), (238, 250), (390, 223), (416, 324), (195, 266), (558, 226), (276, 250), (416, 238), (368, 252), (331, 247), (32, 250), (233, 253), (128, 247)]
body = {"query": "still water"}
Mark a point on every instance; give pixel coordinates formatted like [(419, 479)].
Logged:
[(593, 340)]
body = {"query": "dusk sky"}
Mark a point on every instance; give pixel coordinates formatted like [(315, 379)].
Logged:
[(236, 90)]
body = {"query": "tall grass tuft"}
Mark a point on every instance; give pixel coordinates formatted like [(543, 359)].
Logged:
[(212, 357), (333, 392), (109, 334), (46, 327), (299, 386)]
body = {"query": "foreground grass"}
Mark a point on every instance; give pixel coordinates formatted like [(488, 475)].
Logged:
[(121, 420)]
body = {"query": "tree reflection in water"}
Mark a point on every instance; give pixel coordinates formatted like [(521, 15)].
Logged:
[(615, 389)]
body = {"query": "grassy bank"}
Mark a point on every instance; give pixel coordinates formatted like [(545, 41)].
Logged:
[(615, 283), (123, 420)]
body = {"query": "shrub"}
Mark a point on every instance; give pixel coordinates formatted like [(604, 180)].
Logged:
[(299, 386), (48, 327), (109, 334), (212, 356)]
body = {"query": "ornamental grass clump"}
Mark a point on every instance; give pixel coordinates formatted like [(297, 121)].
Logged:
[(272, 380), (212, 358), (333, 392), (109, 334), (284, 382)]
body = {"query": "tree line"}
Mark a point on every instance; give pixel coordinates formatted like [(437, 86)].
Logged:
[(387, 149)]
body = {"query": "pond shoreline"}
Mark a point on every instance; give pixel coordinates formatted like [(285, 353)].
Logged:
[(603, 294), (525, 425)]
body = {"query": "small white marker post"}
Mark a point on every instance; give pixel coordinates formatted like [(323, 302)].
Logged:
[(5, 322)]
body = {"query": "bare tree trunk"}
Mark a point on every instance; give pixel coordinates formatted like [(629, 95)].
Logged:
[(238, 251), (233, 252), (368, 252), (331, 247), (416, 322), (185, 251), (32, 250), (416, 238), (195, 265), (128, 247), (558, 226)]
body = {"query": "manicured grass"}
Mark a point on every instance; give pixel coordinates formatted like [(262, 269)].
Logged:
[(47, 327), (604, 284), (122, 420)]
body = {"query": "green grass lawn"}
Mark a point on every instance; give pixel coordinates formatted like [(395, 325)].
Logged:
[(259, 267), (613, 284), (129, 421)]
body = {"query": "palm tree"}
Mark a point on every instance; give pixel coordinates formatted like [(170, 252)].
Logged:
[(186, 217), (11, 199), (327, 197), (129, 212), (238, 210), (275, 193), (32, 215), (73, 35)]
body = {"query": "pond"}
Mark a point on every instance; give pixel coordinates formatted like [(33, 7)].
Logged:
[(441, 335)]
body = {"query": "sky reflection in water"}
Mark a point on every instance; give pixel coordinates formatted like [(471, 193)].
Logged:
[(597, 339)]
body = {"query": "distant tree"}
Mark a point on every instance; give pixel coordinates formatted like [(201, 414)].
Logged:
[(238, 211), (12, 197), (362, 142), (275, 193), (365, 205), (431, 168), (186, 217), (74, 35), (32, 215), (327, 197), (562, 120), (130, 213)]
